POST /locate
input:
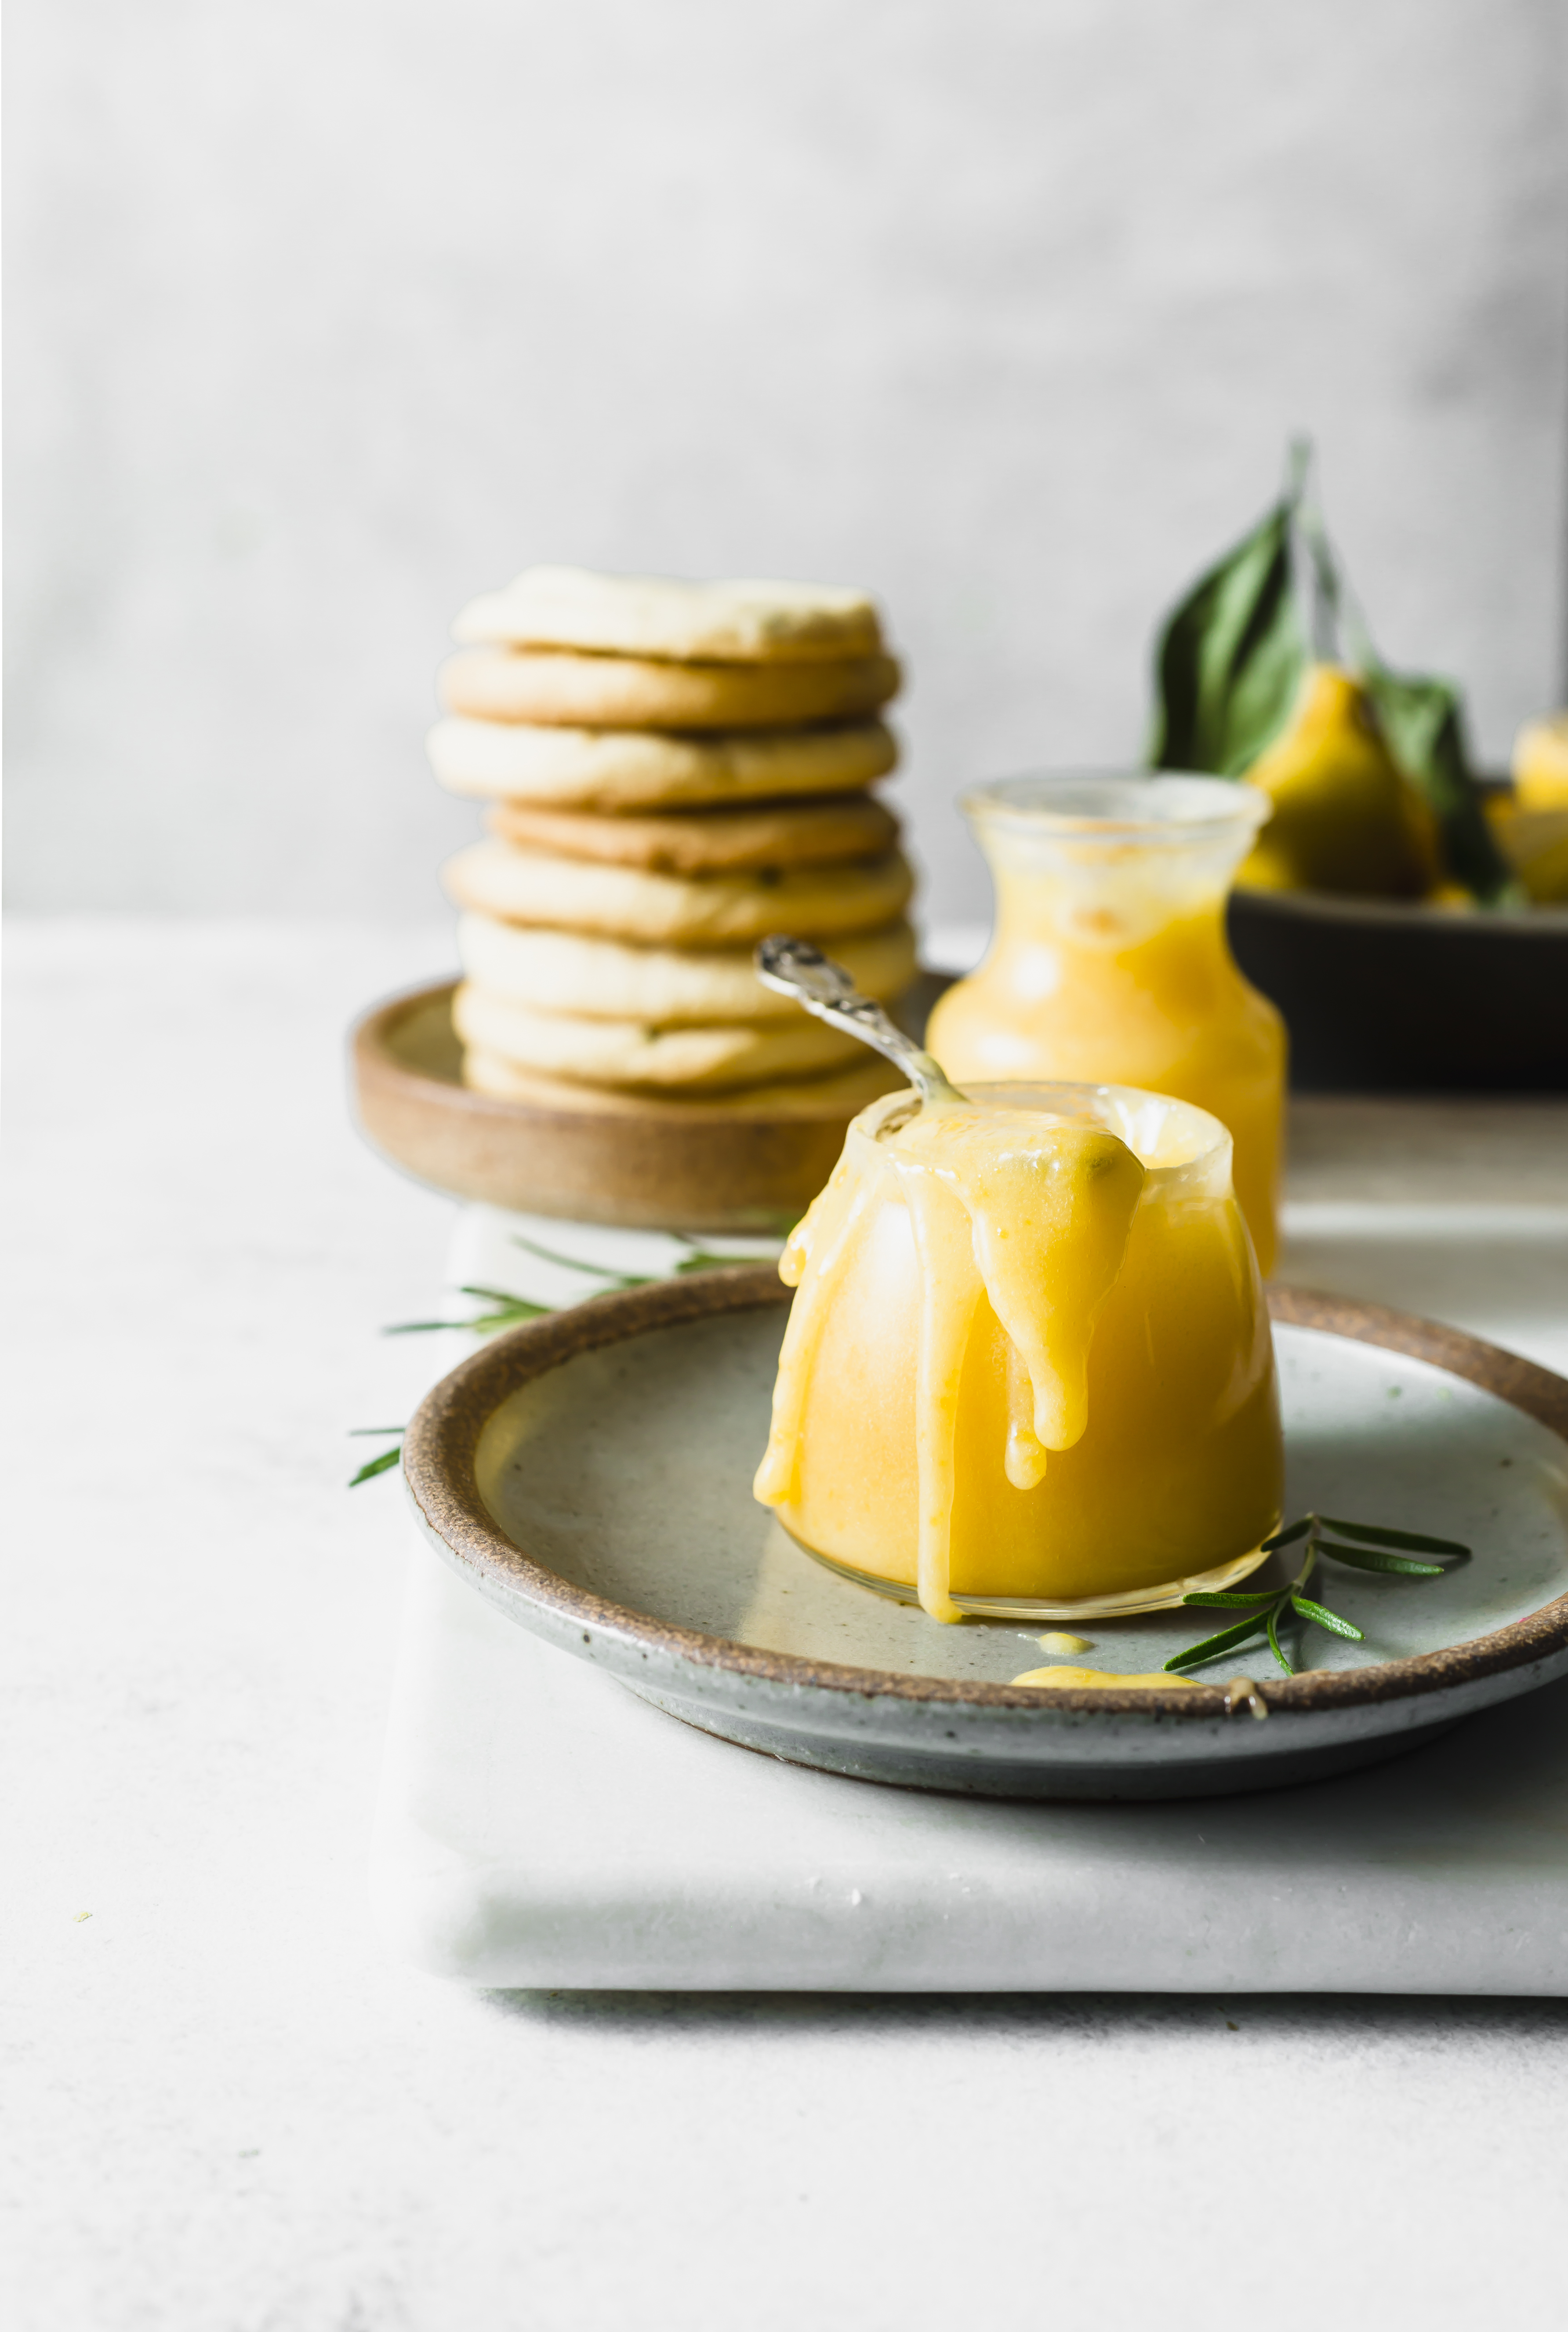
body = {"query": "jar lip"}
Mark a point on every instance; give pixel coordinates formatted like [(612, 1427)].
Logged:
[(1128, 1111), (1170, 809)]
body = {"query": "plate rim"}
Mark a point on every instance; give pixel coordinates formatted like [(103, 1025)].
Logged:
[(442, 1442)]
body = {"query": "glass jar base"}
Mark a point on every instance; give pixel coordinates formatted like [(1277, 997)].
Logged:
[(1164, 1596)]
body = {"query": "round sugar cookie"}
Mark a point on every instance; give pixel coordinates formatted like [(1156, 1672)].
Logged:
[(601, 691), (840, 1092), (707, 841), (627, 902), (632, 1053), (658, 615), (617, 771), (565, 972)]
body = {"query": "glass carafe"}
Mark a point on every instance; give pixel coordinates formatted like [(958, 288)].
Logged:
[(1109, 962)]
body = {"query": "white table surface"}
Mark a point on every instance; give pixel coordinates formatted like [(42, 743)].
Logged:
[(225, 2109)]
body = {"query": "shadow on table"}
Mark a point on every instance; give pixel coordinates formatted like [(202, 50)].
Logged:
[(1083, 2015)]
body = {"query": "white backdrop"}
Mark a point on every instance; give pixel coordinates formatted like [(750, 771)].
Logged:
[(327, 313)]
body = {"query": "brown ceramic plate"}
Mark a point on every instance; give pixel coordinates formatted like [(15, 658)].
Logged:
[(591, 1473)]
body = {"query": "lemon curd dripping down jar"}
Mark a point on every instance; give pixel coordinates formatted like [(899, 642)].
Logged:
[(901, 1389), (1109, 962)]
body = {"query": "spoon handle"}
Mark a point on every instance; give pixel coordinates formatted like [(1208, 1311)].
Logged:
[(795, 968)]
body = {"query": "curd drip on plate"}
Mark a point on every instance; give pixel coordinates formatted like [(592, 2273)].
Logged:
[(1030, 1357)]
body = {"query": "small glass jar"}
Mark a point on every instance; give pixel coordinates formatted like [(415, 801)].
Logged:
[(1109, 962), (1176, 1479)]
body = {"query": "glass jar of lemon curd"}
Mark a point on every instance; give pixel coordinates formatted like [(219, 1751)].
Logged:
[(1110, 963), (1028, 1369)]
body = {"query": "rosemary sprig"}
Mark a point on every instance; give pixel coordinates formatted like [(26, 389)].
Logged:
[(1372, 1551), (696, 1258), (508, 1311), (505, 1312), (388, 1458)]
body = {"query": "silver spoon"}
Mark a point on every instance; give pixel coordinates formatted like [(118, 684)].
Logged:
[(795, 968)]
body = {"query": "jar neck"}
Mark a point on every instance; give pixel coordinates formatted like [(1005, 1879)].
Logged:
[(1110, 900)]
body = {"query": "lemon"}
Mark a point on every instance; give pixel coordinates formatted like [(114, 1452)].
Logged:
[(1531, 823), (1345, 820), (1540, 763)]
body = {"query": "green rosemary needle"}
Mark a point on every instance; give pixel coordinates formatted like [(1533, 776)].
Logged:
[(509, 1310), (1360, 1546), (388, 1458)]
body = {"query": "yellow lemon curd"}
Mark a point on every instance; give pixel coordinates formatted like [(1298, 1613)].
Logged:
[(1110, 964), (1029, 1362), (1104, 1680)]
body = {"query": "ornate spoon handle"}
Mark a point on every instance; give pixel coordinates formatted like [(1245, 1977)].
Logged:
[(795, 968)]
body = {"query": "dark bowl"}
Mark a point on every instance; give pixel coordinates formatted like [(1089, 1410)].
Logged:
[(1381, 997)]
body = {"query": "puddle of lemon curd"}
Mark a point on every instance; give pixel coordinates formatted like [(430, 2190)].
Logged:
[(1103, 1679)]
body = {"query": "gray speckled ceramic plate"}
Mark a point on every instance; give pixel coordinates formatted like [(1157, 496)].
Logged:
[(591, 1473)]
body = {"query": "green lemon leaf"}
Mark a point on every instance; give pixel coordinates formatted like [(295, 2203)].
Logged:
[(1423, 718), (1230, 659)]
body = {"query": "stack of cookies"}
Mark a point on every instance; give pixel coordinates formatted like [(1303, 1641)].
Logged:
[(674, 771)]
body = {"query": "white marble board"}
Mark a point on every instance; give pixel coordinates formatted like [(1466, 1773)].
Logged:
[(540, 1827)]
